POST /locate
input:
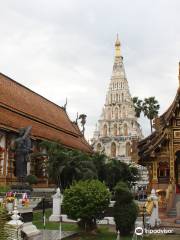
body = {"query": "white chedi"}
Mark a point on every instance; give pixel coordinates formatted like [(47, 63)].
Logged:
[(118, 125)]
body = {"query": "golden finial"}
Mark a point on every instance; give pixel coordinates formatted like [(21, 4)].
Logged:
[(117, 47)]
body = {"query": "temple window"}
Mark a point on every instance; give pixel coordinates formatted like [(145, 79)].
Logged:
[(98, 147), (124, 112), (109, 114), (105, 130), (163, 172), (115, 129), (116, 113), (128, 149), (113, 150), (122, 97), (116, 97), (125, 130)]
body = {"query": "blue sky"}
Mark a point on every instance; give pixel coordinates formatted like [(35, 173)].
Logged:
[(65, 48)]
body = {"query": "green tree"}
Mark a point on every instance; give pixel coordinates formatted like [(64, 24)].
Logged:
[(151, 109), (137, 106), (99, 160), (68, 165), (87, 201), (125, 210), (118, 171)]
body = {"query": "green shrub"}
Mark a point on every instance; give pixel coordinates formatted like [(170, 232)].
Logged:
[(4, 218), (31, 179), (4, 189), (125, 209), (87, 201)]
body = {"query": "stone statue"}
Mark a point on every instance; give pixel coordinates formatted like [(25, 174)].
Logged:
[(22, 150)]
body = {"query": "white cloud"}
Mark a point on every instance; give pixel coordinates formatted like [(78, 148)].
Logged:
[(65, 49)]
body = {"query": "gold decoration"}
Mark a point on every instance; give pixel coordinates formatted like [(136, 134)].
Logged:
[(117, 47)]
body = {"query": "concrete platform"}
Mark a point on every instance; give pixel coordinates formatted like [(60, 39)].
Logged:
[(51, 235)]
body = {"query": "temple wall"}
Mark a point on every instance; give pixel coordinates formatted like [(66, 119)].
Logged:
[(2, 154)]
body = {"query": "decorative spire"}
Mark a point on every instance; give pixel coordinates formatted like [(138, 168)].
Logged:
[(117, 47)]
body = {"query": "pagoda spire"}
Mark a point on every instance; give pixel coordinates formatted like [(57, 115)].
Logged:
[(117, 47)]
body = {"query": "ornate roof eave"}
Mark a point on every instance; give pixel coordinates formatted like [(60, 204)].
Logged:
[(151, 146), (169, 114), (161, 124), (157, 143)]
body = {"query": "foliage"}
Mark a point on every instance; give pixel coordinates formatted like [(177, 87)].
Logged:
[(4, 218), (118, 171), (4, 189), (31, 179), (68, 165), (150, 108), (99, 160), (137, 106), (87, 201), (125, 210), (10, 197)]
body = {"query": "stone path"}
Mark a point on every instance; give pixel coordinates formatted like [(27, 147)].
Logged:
[(51, 235)]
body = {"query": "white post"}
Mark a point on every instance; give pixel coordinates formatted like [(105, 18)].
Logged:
[(55, 217), (118, 235)]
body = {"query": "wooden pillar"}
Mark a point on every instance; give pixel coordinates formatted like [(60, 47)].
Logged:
[(1, 161), (172, 158), (154, 176)]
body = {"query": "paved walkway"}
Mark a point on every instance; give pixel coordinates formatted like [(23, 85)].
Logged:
[(51, 235)]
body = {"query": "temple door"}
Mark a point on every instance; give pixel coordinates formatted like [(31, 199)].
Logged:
[(177, 172)]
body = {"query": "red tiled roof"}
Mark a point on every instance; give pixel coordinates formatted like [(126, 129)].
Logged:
[(20, 107)]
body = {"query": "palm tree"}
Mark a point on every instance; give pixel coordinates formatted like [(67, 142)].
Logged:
[(68, 165), (83, 121), (137, 106), (151, 109)]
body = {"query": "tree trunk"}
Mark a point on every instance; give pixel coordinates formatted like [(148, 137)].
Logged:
[(151, 125)]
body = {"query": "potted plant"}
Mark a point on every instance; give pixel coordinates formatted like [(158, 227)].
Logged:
[(10, 197)]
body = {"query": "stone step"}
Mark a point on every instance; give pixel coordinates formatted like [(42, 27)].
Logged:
[(172, 211), (171, 214)]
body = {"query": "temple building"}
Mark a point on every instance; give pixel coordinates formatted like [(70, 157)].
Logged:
[(160, 152), (117, 126), (21, 107)]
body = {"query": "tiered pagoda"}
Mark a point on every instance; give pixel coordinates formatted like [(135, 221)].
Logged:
[(117, 126)]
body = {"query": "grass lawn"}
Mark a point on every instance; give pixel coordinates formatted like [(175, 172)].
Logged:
[(38, 221), (103, 232)]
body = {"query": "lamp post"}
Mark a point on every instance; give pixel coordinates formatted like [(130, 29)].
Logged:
[(44, 214), (60, 222), (118, 235), (144, 211)]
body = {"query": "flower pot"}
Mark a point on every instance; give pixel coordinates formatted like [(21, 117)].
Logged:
[(10, 207)]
